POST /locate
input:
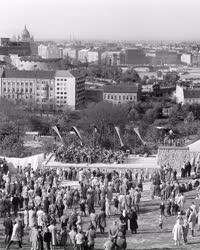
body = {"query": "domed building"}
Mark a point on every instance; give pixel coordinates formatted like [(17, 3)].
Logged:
[(25, 36)]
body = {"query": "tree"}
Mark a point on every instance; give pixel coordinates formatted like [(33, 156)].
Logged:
[(11, 142), (130, 76)]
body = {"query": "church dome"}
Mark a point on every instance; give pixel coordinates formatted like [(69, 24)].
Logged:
[(25, 34)]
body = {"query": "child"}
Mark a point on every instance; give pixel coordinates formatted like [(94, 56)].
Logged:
[(162, 208), (160, 222)]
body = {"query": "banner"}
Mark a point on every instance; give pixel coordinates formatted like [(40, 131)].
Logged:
[(138, 134), (57, 132), (74, 130), (118, 133)]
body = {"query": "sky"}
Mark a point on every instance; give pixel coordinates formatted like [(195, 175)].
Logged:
[(102, 19)]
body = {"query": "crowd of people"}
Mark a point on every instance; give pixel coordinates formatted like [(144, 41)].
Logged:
[(38, 202), (54, 212), (87, 154)]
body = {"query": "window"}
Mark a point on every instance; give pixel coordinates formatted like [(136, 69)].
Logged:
[(108, 97), (65, 97), (61, 93), (61, 97), (58, 93), (31, 83), (131, 98), (124, 97), (119, 97), (65, 79), (26, 90), (26, 83), (58, 88), (61, 79), (22, 83), (17, 83), (30, 90), (4, 89), (111, 97), (115, 97), (65, 93), (65, 102)]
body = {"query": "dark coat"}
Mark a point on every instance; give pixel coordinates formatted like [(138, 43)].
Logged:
[(133, 220)]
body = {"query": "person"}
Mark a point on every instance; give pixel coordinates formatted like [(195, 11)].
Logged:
[(34, 237), (8, 224), (90, 235), (116, 205), (177, 233), (40, 240), (133, 221), (47, 239), (185, 229), (192, 221), (102, 221), (72, 236), (80, 240), (160, 222), (63, 241), (162, 208), (109, 244), (15, 235), (53, 231), (113, 231), (121, 242)]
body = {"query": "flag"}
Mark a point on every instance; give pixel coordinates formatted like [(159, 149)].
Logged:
[(138, 134), (118, 133), (57, 132), (74, 130)]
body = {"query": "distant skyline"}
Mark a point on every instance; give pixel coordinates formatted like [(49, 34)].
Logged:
[(102, 19)]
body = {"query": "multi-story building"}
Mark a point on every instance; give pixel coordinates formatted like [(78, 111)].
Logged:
[(50, 51), (53, 88), (186, 58), (187, 95), (134, 56), (121, 93)]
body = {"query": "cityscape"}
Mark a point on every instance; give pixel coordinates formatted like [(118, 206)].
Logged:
[(100, 125)]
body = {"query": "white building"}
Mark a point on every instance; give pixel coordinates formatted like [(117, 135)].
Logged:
[(69, 52), (186, 58), (69, 88), (187, 95), (59, 88), (50, 51)]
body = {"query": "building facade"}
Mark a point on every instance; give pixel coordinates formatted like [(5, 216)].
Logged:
[(52, 88), (49, 51), (187, 95), (121, 94)]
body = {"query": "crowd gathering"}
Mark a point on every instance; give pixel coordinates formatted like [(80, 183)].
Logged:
[(86, 154), (56, 213), (53, 213)]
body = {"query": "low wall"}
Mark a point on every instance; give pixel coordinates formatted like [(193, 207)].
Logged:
[(140, 163), (34, 160)]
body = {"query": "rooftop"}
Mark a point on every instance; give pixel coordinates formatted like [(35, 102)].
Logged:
[(28, 74), (120, 88), (63, 73), (191, 93)]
